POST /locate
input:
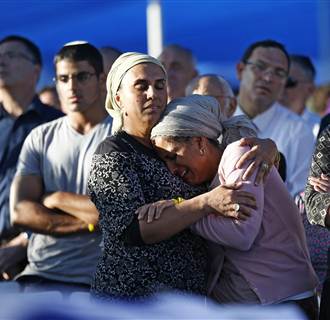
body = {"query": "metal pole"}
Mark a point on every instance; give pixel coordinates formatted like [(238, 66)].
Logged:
[(154, 28)]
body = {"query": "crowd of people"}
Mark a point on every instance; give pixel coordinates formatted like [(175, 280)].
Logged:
[(136, 175)]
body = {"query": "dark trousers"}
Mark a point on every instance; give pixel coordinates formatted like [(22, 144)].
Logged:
[(309, 306), (37, 284)]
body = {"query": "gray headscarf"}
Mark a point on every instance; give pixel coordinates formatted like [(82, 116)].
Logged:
[(116, 74), (200, 116)]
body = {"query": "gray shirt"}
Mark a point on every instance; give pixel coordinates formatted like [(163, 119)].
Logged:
[(62, 157)]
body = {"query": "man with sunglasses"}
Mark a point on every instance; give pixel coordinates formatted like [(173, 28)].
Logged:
[(263, 72), (298, 88), (20, 112), (49, 196)]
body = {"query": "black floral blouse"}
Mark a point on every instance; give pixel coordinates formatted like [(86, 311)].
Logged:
[(317, 203), (124, 176)]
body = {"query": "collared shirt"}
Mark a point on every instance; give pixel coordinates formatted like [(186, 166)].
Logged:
[(292, 137), (313, 121), (13, 132)]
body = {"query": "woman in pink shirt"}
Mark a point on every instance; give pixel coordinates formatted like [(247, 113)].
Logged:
[(263, 259)]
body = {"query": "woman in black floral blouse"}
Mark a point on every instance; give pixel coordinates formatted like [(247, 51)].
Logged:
[(126, 174), (317, 200)]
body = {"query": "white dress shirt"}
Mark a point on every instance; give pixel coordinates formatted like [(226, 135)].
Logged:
[(293, 138), (313, 120)]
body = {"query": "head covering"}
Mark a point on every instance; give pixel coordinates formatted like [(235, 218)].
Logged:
[(200, 116), (75, 43), (117, 72)]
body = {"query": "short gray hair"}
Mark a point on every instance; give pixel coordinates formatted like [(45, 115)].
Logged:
[(187, 52), (306, 64), (194, 84)]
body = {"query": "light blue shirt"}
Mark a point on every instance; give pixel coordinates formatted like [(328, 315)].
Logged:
[(313, 121)]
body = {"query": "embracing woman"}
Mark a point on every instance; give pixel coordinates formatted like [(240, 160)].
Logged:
[(266, 260)]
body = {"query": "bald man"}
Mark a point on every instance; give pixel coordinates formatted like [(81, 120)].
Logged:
[(217, 87), (180, 65)]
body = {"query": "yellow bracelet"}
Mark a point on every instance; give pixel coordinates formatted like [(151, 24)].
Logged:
[(178, 200), (91, 227)]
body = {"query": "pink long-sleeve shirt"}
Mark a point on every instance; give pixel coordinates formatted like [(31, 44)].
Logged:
[(269, 248)]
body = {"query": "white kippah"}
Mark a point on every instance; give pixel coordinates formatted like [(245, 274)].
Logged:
[(75, 43)]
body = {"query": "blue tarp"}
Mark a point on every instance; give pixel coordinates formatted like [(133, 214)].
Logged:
[(217, 31)]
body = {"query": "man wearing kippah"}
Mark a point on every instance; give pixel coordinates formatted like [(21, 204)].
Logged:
[(49, 196)]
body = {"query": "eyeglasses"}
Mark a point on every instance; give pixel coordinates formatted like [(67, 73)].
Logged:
[(292, 83), (261, 67), (11, 55), (82, 77)]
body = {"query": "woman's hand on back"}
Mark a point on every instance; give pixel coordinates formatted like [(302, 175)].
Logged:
[(264, 155)]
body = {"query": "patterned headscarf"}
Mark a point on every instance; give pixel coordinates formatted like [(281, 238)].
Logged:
[(200, 116), (117, 72)]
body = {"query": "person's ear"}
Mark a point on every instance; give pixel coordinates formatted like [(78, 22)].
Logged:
[(310, 89), (102, 79), (37, 68), (232, 107), (239, 70), (201, 144), (117, 98), (37, 72), (194, 74), (102, 83)]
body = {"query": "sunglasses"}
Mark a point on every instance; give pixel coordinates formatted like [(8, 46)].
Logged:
[(290, 83)]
